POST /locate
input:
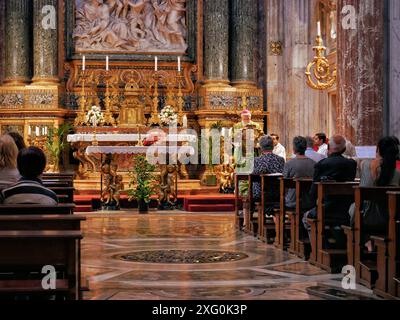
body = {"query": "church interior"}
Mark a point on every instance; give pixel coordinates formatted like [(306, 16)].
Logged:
[(199, 150)]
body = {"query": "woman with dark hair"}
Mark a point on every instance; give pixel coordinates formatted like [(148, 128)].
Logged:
[(379, 172), (18, 139)]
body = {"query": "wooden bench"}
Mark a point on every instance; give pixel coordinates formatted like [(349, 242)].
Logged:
[(58, 184), (26, 252), (300, 243), (366, 263), (331, 260), (30, 209), (40, 222), (283, 220), (64, 194), (266, 225), (393, 270)]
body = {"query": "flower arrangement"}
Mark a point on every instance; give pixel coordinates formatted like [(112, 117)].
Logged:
[(94, 116), (168, 116)]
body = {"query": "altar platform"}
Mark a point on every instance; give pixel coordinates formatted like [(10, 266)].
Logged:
[(204, 200)]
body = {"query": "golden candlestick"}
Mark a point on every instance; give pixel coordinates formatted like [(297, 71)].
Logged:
[(318, 72), (80, 116), (154, 114), (180, 101), (108, 116)]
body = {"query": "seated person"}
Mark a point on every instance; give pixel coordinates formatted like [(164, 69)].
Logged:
[(334, 168), (311, 153), (9, 174), (380, 172), (29, 190), (299, 167), (279, 149), (320, 141), (18, 139), (267, 163)]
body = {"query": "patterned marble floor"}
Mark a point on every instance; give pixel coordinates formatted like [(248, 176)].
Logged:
[(262, 273)]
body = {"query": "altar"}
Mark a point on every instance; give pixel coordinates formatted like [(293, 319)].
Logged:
[(90, 147)]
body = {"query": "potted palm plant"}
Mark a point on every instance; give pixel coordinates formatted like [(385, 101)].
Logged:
[(56, 143), (142, 183)]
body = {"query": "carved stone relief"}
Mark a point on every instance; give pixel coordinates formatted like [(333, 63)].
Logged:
[(138, 26)]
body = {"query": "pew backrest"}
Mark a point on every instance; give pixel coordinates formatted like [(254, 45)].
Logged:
[(33, 209)]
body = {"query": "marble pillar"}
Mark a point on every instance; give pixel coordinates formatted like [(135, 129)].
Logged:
[(360, 54), (2, 35), (17, 42), (393, 121), (45, 41), (295, 109), (216, 41), (243, 42)]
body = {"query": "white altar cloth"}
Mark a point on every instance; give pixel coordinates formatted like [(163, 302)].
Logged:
[(89, 137)]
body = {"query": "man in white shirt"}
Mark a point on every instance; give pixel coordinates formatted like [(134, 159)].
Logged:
[(310, 153), (279, 149), (320, 141)]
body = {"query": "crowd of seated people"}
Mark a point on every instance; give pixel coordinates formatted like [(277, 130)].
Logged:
[(21, 168), (331, 160)]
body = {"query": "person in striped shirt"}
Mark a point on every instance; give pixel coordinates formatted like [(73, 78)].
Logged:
[(29, 189)]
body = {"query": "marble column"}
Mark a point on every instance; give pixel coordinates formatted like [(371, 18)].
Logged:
[(393, 121), (2, 35), (45, 41), (243, 42), (17, 42), (360, 54), (216, 41)]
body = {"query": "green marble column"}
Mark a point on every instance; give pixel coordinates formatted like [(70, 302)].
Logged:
[(17, 42), (216, 41), (45, 41), (243, 42)]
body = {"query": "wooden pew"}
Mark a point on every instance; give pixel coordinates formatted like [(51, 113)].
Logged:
[(29, 251), (64, 194), (331, 260), (393, 271), (300, 244), (284, 214), (266, 226), (366, 264), (58, 184), (40, 222), (29, 209)]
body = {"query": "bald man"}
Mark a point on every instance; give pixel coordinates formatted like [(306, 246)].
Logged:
[(334, 168)]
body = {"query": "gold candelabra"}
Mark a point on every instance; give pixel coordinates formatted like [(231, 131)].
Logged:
[(154, 113), (108, 116), (180, 101), (81, 113), (318, 72)]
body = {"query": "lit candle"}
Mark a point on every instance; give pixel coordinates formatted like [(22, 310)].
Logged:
[(83, 63), (179, 64), (107, 64), (29, 130), (37, 131), (156, 64), (185, 121), (319, 29), (43, 131)]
